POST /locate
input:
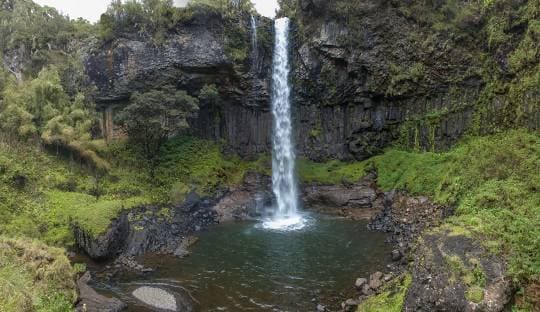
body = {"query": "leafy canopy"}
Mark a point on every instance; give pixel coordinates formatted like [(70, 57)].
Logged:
[(152, 117)]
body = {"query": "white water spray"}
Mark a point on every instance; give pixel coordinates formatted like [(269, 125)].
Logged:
[(283, 160), (254, 45)]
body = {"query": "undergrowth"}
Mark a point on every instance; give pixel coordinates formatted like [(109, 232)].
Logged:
[(492, 181), (390, 299), (43, 194), (35, 277)]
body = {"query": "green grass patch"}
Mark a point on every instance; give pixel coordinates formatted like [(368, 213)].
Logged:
[(333, 172), (475, 294), (43, 193), (391, 299), (93, 214), (35, 277), (494, 182)]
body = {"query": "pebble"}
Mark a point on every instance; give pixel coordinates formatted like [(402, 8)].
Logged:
[(360, 282)]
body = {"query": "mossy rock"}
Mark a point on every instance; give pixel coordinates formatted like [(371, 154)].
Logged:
[(454, 272)]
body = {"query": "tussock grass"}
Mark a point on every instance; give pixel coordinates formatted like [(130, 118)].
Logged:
[(34, 277)]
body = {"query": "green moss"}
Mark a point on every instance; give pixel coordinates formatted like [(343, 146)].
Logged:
[(333, 172), (94, 215), (201, 166), (34, 277), (391, 299), (455, 264), (475, 294), (493, 181)]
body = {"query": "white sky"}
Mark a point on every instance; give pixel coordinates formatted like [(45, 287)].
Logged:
[(92, 9)]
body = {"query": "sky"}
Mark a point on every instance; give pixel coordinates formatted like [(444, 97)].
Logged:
[(91, 10)]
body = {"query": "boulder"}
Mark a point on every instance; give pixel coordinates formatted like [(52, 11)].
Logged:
[(360, 282), (91, 301), (156, 298), (375, 280)]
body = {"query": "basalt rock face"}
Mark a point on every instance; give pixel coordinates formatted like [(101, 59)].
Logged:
[(367, 73), (356, 85), (196, 53)]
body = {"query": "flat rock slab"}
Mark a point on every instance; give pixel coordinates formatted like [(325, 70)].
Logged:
[(156, 297)]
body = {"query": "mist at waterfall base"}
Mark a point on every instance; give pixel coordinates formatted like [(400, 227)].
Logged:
[(286, 216)]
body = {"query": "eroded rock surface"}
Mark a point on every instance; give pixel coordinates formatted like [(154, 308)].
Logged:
[(359, 201), (453, 272)]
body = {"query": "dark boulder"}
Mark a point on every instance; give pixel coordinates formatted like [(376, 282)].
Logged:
[(91, 301)]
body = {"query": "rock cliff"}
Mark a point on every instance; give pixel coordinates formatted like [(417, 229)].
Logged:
[(366, 74)]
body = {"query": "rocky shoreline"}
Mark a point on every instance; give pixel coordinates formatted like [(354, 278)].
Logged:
[(412, 225)]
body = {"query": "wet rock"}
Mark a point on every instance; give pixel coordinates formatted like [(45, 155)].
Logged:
[(360, 282), (156, 298), (359, 201), (91, 301), (182, 250), (375, 280), (366, 290), (246, 201), (387, 278), (350, 305), (396, 255), (129, 263), (321, 308)]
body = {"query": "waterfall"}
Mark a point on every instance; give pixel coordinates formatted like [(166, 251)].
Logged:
[(283, 158), (254, 46)]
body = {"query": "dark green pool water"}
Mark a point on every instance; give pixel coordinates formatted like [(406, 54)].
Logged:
[(241, 267)]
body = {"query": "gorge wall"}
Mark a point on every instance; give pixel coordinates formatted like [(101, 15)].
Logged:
[(366, 74)]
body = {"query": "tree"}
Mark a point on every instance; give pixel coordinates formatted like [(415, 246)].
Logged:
[(209, 94), (153, 117), (39, 110)]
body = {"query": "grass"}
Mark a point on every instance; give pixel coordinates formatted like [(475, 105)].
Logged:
[(35, 277), (42, 194), (333, 172), (475, 294), (390, 299), (493, 181)]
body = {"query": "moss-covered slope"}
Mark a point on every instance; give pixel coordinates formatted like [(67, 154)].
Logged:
[(35, 277)]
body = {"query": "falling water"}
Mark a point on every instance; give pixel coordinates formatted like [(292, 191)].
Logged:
[(283, 160), (254, 45)]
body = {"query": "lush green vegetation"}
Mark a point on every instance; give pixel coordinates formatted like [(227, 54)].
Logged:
[(333, 172), (151, 118), (37, 36), (40, 109), (42, 194), (391, 297), (493, 181), (35, 277)]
